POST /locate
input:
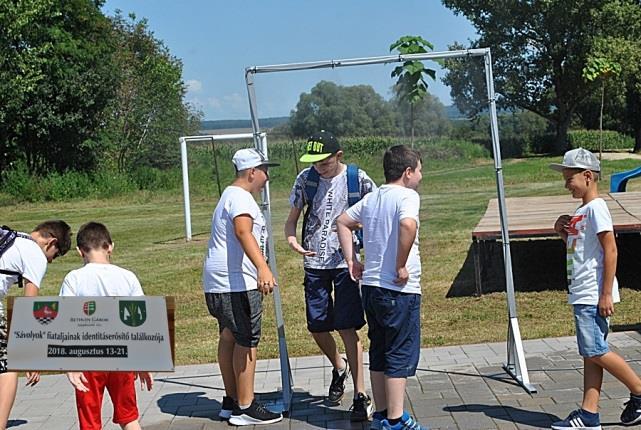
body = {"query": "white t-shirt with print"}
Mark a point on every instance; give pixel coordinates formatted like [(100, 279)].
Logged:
[(380, 212), (227, 268), (329, 202), (26, 257), (585, 254), (101, 280)]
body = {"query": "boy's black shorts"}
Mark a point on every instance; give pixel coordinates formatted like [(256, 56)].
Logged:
[(240, 312)]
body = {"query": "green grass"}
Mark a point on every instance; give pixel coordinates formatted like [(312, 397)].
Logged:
[(148, 231)]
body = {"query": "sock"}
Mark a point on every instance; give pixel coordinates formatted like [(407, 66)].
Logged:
[(243, 407), (590, 414), (394, 421), (342, 371), (383, 413), (635, 396)]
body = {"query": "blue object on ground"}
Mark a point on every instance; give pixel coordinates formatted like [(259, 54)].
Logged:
[(618, 181)]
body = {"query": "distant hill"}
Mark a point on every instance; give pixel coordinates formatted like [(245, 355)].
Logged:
[(453, 113), (242, 123)]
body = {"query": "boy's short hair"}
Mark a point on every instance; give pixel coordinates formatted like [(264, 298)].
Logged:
[(93, 235), (59, 230), (397, 159)]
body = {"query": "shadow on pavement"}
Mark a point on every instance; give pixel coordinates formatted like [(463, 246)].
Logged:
[(507, 413)]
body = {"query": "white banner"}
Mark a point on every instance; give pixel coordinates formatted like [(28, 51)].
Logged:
[(89, 333)]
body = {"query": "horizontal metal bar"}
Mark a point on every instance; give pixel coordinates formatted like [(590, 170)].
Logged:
[(220, 136), (326, 64)]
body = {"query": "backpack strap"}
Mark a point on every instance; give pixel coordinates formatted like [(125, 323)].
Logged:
[(353, 188), (311, 186), (7, 239)]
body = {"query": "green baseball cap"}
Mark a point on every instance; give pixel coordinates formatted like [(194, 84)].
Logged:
[(320, 146)]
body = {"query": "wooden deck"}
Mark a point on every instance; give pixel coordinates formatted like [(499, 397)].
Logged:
[(535, 216), (531, 217)]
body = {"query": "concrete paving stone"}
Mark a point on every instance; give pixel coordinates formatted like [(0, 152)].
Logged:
[(445, 422)]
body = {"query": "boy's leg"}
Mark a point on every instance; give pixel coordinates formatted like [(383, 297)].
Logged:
[(226, 346), (620, 369), (592, 380), (327, 345), (244, 371), (378, 389), (354, 352), (8, 389), (89, 404), (395, 391), (122, 390)]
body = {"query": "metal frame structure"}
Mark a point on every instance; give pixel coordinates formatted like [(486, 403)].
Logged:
[(515, 365), (185, 167)]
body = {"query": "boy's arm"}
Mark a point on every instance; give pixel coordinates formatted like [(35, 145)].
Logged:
[(243, 225), (608, 242), (406, 235), (344, 226), (146, 380), (290, 232)]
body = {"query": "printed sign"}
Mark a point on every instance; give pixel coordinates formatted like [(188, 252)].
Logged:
[(89, 333)]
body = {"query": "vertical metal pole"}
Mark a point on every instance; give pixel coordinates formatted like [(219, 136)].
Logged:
[(260, 142), (213, 149), (185, 171), (515, 365)]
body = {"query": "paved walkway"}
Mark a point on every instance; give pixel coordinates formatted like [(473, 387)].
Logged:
[(456, 387)]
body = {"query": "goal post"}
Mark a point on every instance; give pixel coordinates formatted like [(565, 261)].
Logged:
[(515, 364)]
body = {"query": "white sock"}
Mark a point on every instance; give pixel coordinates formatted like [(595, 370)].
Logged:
[(243, 407)]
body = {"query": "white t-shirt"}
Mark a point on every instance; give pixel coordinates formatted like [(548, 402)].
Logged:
[(26, 257), (98, 279), (227, 268), (381, 212), (585, 254), (330, 201)]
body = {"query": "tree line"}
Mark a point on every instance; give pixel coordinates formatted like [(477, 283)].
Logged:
[(80, 90)]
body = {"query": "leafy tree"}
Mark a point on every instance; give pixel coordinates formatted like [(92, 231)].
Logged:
[(147, 116), (539, 51), (56, 77), (427, 117), (411, 86), (344, 110)]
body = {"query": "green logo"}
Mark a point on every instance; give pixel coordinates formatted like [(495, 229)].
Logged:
[(133, 312), (89, 308)]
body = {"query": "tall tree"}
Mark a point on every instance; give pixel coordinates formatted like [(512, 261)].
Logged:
[(411, 86), (344, 110), (56, 77), (539, 49), (426, 118), (147, 115)]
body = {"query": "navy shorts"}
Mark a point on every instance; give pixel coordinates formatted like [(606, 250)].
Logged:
[(240, 312), (394, 320), (591, 331), (324, 313)]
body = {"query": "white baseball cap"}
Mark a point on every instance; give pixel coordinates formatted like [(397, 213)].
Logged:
[(578, 158), (249, 157)]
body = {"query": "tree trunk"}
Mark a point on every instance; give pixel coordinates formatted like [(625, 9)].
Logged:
[(561, 143), (412, 124), (637, 139)]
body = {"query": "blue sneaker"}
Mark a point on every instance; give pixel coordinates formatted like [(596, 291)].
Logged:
[(406, 423), (376, 421), (579, 419)]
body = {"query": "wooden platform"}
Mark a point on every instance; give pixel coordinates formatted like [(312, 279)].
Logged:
[(531, 217), (535, 216)]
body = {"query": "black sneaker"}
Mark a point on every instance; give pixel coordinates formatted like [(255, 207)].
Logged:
[(337, 387), (362, 408), (254, 414), (227, 407), (632, 412)]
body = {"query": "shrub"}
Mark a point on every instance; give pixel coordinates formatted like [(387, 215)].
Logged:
[(589, 139), (59, 187)]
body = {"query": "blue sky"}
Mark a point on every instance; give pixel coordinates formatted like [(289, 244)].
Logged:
[(216, 40)]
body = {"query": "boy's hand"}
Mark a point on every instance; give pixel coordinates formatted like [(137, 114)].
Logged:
[(78, 380), (402, 276), (355, 270), (266, 280), (146, 380), (32, 378), (606, 307), (561, 224), (293, 244)]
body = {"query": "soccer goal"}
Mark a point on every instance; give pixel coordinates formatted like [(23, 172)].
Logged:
[(515, 364)]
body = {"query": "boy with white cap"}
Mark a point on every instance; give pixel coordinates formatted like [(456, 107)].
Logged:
[(593, 290), (235, 276)]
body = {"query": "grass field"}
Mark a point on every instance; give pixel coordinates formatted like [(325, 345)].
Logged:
[(148, 232)]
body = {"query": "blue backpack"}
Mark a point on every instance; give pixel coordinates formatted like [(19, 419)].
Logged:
[(353, 196), (7, 238)]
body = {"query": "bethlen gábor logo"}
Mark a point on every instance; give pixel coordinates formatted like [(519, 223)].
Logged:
[(45, 312), (89, 307), (133, 312)]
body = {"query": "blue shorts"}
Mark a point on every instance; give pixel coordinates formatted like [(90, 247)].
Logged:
[(344, 311), (394, 320), (591, 331)]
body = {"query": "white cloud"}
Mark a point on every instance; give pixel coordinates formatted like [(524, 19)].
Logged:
[(194, 86)]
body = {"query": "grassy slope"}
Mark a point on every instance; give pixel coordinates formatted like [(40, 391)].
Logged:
[(148, 230)]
